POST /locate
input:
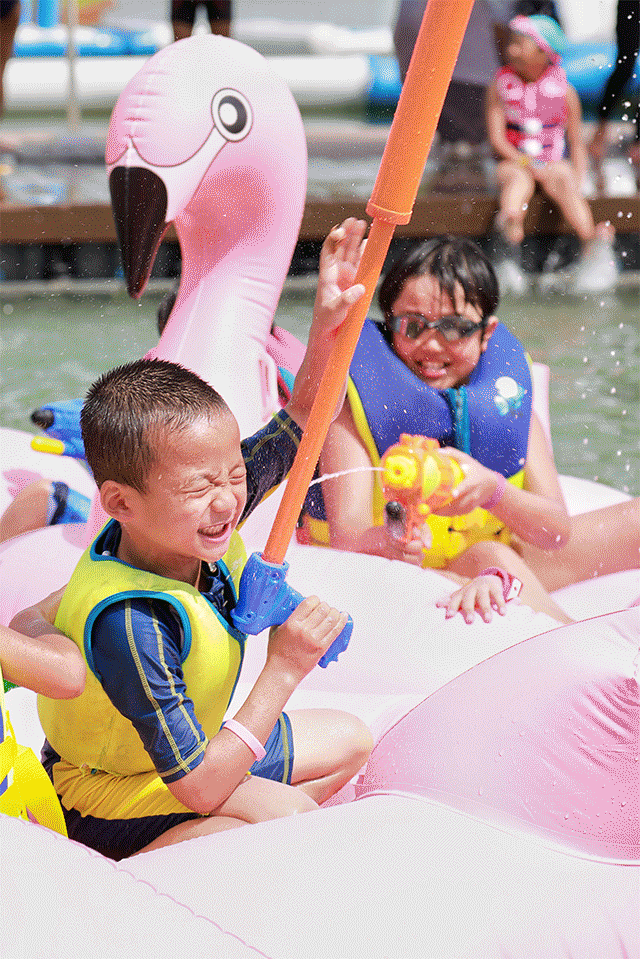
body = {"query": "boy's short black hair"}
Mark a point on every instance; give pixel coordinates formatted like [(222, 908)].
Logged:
[(131, 409), (452, 262)]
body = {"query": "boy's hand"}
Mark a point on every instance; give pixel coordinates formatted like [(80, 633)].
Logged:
[(339, 260), (484, 594), (305, 636)]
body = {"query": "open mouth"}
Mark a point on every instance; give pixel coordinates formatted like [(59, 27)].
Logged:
[(431, 371), (217, 531)]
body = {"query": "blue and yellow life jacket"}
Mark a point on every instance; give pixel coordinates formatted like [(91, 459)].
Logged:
[(488, 418), (89, 733)]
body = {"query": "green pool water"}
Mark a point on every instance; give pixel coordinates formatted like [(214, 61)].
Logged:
[(54, 346)]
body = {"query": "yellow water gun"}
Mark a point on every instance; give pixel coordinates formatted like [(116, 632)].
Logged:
[(416, 481)]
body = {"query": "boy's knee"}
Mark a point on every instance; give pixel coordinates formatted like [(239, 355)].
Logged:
[(300, 803), (359, 740)]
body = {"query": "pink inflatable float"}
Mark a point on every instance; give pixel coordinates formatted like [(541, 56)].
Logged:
[(498, 813)]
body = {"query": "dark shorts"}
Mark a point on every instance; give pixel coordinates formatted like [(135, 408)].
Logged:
[(184, 11), (118, 839), (462, 116)]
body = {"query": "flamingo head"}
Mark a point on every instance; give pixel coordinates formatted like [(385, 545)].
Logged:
[(205, 135)]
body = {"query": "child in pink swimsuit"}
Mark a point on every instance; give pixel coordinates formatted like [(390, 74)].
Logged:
[(534, 123)]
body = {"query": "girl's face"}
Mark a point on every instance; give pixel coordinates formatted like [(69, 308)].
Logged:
[(525, 56), (439, 362)]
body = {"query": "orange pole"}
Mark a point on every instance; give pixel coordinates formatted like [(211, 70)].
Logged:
[(405, 154)]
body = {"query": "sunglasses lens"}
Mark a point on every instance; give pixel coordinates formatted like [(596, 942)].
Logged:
[(411, 325), (414, 327), (455, 328)]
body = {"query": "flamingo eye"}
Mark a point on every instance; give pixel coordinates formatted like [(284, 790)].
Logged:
[(231, 114)]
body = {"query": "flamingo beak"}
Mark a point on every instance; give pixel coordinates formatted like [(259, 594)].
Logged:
[(139, 204)]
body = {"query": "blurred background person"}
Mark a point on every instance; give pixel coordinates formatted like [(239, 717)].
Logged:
[(628, 43), (9, 20), (534, 121), (183, 14), (461, 127)]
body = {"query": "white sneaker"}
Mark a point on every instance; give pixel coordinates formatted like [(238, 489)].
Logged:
[(511, 278), (596, 270)]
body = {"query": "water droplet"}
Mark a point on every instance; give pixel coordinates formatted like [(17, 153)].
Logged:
[(566, 816)]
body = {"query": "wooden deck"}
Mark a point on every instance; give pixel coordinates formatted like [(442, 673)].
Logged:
[(465, 205), (468, 214)]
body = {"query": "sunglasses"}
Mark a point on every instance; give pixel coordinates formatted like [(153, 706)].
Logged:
[(453, 328)]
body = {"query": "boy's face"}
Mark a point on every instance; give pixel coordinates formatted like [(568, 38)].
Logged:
[(195, 494), (440, 363)]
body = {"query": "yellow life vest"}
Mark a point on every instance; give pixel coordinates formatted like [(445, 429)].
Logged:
[(25, 789), (88, 732)]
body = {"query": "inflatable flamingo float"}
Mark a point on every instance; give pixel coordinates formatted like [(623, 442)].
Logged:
[(498, 814)]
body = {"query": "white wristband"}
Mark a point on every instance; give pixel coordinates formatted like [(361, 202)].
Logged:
[(247, 738)]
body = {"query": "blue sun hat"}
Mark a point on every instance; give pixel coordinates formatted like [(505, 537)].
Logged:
[(546, 32)]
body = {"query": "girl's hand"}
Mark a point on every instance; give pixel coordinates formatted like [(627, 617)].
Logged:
[(380, 542), (484, 594), (339, 260), (478, 485)]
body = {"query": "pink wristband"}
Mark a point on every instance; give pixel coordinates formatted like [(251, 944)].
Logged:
[(247, 738), (511, 586), (497, 495)]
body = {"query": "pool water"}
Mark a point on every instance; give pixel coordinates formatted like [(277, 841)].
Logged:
[(54, 346)]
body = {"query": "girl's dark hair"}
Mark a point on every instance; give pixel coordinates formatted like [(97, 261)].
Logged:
[(452, 262), (132, 409)]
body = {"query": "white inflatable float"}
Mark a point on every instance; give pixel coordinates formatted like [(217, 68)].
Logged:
[(498, 814)]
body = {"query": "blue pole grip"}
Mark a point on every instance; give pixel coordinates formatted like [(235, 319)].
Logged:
[(267, 600)]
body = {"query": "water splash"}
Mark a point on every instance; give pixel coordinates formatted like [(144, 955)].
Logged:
[(343, 473)]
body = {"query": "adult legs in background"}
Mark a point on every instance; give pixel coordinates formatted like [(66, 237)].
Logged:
[(183, 12), (628, 42)]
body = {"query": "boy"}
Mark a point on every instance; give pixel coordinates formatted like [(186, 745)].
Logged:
[(531, 110), (140, 759)]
